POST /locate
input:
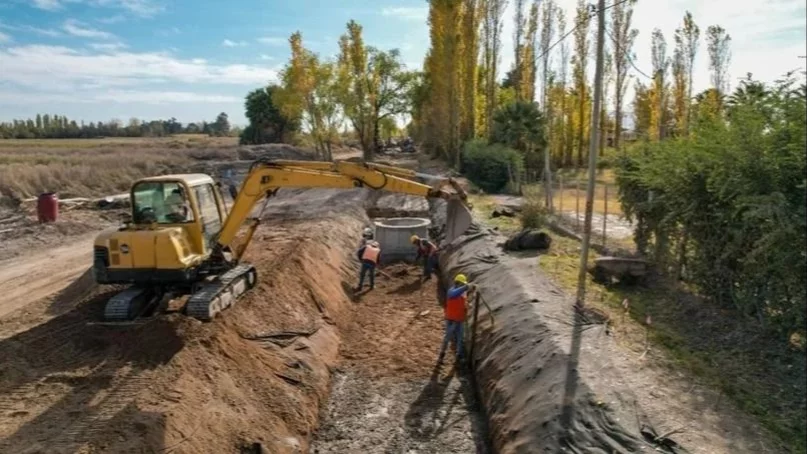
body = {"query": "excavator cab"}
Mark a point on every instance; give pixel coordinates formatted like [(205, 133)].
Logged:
[(173, 224)]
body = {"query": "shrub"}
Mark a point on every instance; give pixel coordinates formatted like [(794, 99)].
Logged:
[(490, 167), (533, 211)]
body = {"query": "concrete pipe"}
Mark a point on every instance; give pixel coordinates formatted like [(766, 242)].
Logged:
[(393, 235)]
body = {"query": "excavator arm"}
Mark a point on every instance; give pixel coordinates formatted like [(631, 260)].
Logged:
[(265, 177)]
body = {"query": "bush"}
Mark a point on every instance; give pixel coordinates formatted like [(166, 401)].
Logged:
[(533, 211), (733, 198), (490, 167)]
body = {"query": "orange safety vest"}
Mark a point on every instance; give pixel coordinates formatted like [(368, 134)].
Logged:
[(371, 253), (455, 308)]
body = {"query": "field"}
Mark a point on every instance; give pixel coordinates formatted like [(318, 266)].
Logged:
[(92, 167)]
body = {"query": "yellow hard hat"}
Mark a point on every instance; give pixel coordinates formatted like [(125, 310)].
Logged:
[(413, 238), (461, 279)]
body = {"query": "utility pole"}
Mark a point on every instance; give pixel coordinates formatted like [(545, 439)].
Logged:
[(592, 156)]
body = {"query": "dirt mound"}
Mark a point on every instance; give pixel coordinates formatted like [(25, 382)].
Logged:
[(273, 151), (176, 384)]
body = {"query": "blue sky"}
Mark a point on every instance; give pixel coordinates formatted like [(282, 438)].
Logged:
[(102, 59)]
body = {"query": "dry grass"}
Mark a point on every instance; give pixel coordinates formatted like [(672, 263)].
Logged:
[(570, 191), (94, 167)]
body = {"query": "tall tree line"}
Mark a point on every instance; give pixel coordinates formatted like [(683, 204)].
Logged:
[(47, 126)]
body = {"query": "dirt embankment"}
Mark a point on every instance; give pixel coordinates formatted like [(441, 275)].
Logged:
[(553, 379), (179, 385)]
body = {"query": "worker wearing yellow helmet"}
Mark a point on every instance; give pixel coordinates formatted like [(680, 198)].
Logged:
[(454, 312), (428, 251)]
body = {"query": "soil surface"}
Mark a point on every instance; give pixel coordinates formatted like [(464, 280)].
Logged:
[(175, 384), (389, 394)]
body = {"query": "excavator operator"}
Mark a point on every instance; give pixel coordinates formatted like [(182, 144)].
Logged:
[(178, 205)]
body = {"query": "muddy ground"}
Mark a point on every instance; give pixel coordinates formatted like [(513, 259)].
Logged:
[(389, 394)]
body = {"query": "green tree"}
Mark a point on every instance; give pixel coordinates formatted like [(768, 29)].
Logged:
[(520, 125), (221, 127), (266, 123)]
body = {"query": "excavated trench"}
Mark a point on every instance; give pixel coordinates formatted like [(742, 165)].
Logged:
[(388, 393)]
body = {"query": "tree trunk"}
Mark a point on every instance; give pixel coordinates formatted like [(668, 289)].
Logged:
[(603, 130), (581, 130), (682, 251), (618, 122)]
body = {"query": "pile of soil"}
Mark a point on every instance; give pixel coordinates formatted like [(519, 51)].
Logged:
[(178, 385), (389, 393)]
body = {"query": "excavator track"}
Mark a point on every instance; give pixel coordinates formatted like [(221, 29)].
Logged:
[(128, 304), (213, 297)]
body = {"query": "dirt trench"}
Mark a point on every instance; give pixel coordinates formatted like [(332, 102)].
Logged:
[(260, 375), (389, 394)]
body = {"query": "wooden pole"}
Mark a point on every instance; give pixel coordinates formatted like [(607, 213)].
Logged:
[(473, 331), (577, 197), (592, 156), (605, 215)]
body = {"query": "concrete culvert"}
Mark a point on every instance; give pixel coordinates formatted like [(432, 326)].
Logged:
[(393, 235)]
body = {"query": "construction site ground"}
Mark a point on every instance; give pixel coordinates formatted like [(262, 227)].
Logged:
[(300, 364)]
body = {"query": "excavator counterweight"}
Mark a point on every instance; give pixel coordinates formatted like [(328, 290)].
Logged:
[(180, 241)]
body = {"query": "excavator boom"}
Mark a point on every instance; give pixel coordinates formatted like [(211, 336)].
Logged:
[(266, 176)]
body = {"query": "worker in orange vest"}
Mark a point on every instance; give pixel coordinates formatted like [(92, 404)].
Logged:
[(368, 255), (428, 251), (455, 309)]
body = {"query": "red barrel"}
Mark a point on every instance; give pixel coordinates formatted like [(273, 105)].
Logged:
[(47, 207)]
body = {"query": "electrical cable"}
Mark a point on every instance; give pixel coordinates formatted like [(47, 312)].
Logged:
[(627, 54), (591, 13)]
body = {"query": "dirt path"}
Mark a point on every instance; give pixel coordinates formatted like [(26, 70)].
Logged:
[(27, 279), (387, 394)]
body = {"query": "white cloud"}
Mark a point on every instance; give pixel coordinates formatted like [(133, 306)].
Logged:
[(266, 57), (409, 13), (28, 28), (37, 65), (47, 5), (108, 46), (4, 38), (154, 97), (228, 43), (164, 97), (173, 31), (45, 31), (112, 20), (76, 28), (273, 41), (143, 8)]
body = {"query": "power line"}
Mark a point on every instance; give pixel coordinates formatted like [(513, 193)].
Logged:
[(627, 54), (592, 10)]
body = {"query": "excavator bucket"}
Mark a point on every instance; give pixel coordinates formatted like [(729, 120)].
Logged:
[(458, 219)]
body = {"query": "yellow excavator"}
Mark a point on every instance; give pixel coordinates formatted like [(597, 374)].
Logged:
[(180, 243)]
